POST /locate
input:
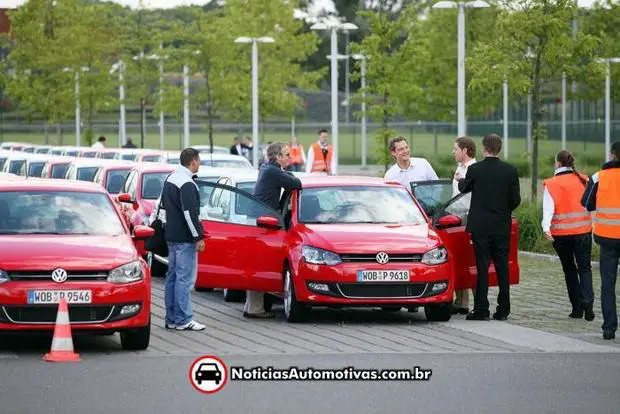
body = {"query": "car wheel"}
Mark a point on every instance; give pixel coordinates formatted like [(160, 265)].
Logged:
[(293, 310), (136, 339), (233, 295), (438, 312), (391, 308), (158, 269)]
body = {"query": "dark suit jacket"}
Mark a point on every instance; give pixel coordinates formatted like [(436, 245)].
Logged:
[(494, 185), (233, 150)]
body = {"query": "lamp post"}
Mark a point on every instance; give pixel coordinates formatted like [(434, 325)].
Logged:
[(120, 66), (78, 122), (161, 59), (563, 111), (362, 60), (505, 119), (462, 125), (254, 41), (333, 27), (608, 62)]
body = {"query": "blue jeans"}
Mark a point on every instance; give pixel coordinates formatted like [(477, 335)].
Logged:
[(609, 272), (180, 278)]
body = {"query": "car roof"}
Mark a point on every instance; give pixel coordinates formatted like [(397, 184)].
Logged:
[(206, 171), (60, 159), (90, 162), (242, 176), (222, 157), (155, 167), (51, 185), (118, 165), (338, 181)]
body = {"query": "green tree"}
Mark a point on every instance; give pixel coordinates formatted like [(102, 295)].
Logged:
[(533, 42)]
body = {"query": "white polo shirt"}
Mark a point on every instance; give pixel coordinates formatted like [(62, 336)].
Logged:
[(419, 170), (462, 170)]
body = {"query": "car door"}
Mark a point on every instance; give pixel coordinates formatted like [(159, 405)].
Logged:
[(241, 252), (458, 241)]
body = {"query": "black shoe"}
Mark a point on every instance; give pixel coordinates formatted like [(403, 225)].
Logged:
[(576, 315), (589, 313), (459, 310), (609, 335), (260, 315), (473, 316), (500, 316)]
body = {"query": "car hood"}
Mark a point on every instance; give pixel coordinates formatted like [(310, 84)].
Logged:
[(48, 252), (370, 238)]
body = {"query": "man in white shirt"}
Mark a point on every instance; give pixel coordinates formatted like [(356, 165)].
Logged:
[(99, 144), (464, 150), (407, 169)]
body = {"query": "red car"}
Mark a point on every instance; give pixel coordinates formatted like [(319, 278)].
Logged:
[(56, 167), (65, 239), (344, 241), (140, 193), (112, 176)]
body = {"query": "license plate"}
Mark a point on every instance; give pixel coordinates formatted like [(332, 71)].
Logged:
[(383, 275), (54, 296)]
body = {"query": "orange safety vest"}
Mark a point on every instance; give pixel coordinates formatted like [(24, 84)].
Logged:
[(296, 154), (607, 215), (321, 164), (569, 217)]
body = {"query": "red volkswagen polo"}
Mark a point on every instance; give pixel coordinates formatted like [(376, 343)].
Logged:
[(66, 239), (343, 241)]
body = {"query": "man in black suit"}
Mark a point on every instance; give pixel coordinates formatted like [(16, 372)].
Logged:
[(494, 185), (236, 148)]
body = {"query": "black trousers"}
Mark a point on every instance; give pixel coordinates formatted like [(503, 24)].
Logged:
[(496, 248), (610, 255), (575, 253)]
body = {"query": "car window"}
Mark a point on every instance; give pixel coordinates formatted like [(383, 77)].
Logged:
[(219, 208), (89, 154), (108, 155), (115, 180), (358, 204), (151, 158), (15, 167), (205, 191), (432, 194), (152, 184), (86, 173), (59, 170), (129, 157), (241, 203), (58, 212), (35, 169), (459, 206)]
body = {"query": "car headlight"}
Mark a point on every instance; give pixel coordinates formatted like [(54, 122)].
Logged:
[(131, 272), (435, 256), (4, 276), (319, 256)]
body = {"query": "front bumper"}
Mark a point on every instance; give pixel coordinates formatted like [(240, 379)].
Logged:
[(113, 307), (427, 284)]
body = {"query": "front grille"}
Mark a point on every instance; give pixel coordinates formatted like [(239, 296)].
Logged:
[(382, 290), (48, 313), (393, 258), (72, 275)]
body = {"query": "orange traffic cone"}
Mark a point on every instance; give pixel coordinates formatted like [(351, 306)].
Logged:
[(62, 344)]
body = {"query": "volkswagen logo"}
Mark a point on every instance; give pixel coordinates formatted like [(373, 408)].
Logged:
[(382, 258), (59, 275)]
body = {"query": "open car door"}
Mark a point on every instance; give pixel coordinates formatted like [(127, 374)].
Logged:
[(245, 248), (433, 196)]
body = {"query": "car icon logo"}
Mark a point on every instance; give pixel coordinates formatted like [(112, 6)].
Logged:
[(382, 258), (59, 275), (208, 374)]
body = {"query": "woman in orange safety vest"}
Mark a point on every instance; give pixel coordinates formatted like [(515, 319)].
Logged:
[(298, 158), (569, 226)]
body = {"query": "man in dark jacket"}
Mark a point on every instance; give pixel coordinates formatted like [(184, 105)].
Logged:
[(602, 195), (272, 178), (494, 185), (184, 234)]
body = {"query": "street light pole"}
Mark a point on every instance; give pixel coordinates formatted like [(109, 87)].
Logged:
[(362, 60), (255, 110), (347, 108), (505, 119), (161, 100), (462, 122), (563, 111), (78, 122), (608, 62), (186, 141)]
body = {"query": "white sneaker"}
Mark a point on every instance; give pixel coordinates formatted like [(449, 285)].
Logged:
[(191, 326)]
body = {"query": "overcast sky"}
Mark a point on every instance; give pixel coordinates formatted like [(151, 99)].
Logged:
[(317, 4)]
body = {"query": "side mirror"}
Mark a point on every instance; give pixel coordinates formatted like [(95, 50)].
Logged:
[(143, 232), (124, 198), (268, 222), (448, 221)]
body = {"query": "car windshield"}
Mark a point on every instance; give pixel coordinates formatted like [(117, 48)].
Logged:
[(151, 158), (59, 170), (152, 184), (205, 190), (58, 212), (129, 157), (43, 151), (115, 180), (29, 150), (16, 166), (71, 153), (87, 173), (56, 152), (358, 204), (90, 154), (225, 163), (35, 169), (108, 155)]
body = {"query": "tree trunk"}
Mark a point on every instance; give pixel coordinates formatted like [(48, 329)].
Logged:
[(535, 126), (89, 128), (142, 121)]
